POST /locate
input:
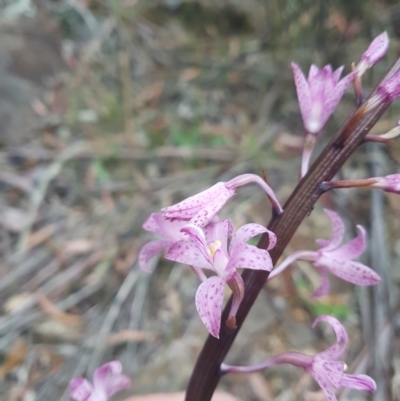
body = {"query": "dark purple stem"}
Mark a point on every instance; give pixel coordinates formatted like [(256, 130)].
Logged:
[(207, 373)]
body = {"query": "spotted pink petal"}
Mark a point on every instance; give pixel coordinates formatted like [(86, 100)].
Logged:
[(375, 52), (149, 250), (337, 230), (352, 249), (209, 298), (189, 253), (249, 257), (80, 389), (337, 74), (333, 100), (249, 231), (358, 382), (348, 270), (211, 209), (167, 228), (191, 206), (197, 235), (150, 224), (108, 379), (337, 349), (303, 91), (334, 372), (326, 388)]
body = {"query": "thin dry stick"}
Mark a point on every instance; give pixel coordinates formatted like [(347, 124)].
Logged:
[(206, 374)]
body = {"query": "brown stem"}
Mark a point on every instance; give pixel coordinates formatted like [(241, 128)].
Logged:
[(206, 373)]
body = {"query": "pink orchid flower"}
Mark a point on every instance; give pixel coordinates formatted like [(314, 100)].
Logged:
[(107, 381), (375, 52), (209, 250), (169, 231), (324, 367), (319, 95), (200, 209), (334, 258)]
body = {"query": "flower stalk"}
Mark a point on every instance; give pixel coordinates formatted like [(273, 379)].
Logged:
[(350, 136)]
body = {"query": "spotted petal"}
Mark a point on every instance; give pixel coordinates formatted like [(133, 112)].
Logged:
[(337, 231), (194, 204), (352, 249), (249, 231), (358, 382), (249, 257), (303, 91), (211, 209), (348, 270), (188, 252), (337, 349), (149, 251), (209, 298)]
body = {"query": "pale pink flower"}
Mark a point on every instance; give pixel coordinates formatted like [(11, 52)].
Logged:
[(209, 250), (334, 258), (375, 52), (319, 95), (200, 209), (169, 231), (107, 381), (324, 367)]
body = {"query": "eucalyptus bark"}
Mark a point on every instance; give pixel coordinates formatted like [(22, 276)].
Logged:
[(206, 373)]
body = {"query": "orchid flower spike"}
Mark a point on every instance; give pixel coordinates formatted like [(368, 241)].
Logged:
[(107, 381), (200, 209), (334, 258), (375, 52), (169, 231), (209, 249), (318, 97), (324, 367)]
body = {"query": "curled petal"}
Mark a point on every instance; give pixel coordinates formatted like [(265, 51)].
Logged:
[(188, 253), (249, 257), (337, 230), (324, 287), (150, 250), (249, 231), (80, 389), (209, 298), (352, 249), (359, 382), (340, 345)]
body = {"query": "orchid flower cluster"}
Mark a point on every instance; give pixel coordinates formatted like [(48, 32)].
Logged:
[(191, 232)]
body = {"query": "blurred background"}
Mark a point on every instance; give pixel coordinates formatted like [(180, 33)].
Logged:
[(110, 110)]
